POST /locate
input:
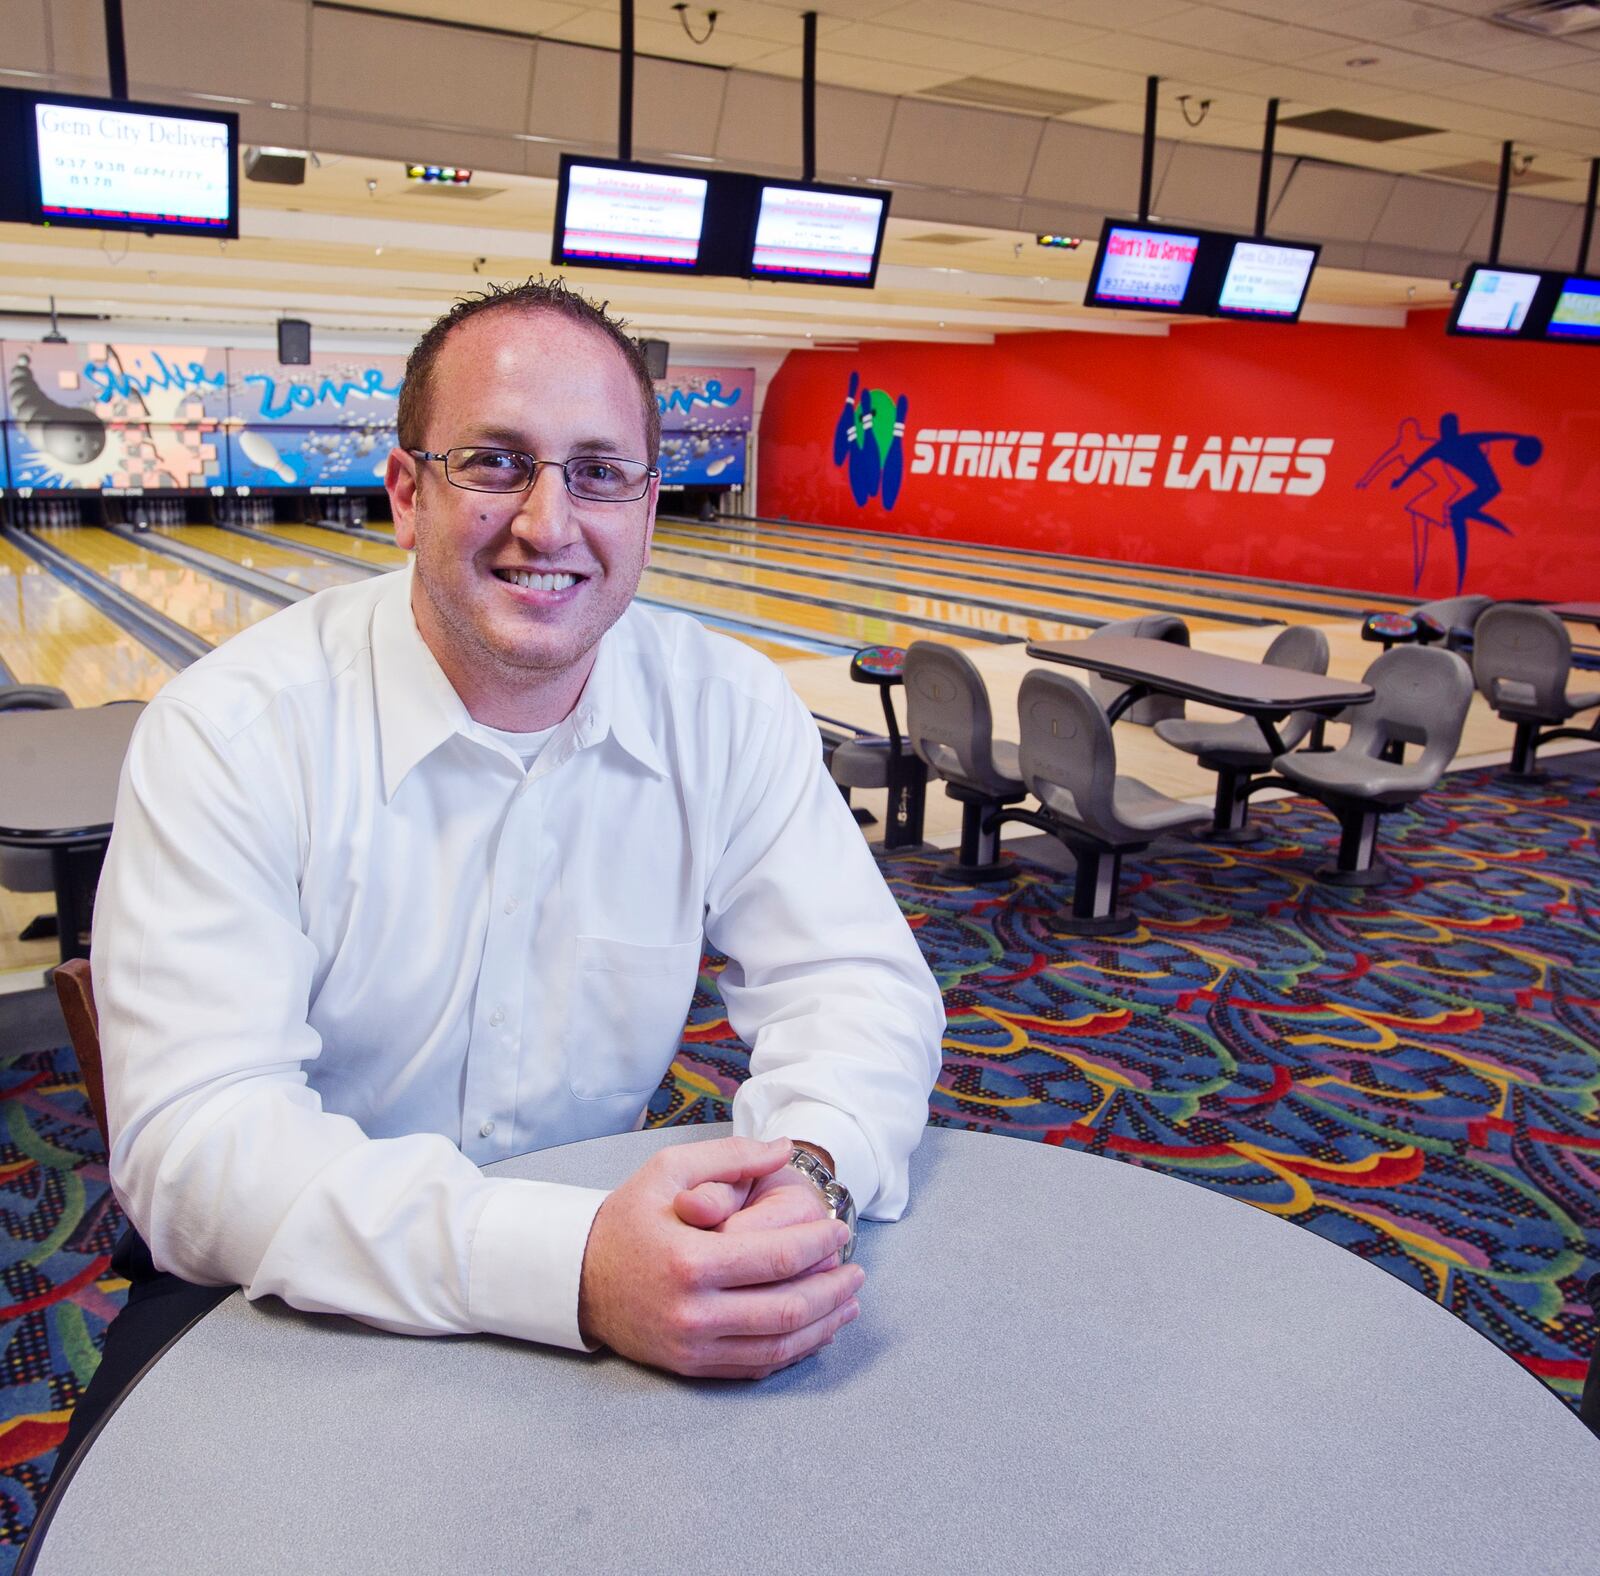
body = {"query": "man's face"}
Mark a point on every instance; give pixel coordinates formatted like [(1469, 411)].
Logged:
[(517, 654)]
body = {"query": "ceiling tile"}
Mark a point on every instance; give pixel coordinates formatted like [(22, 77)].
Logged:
[(893, 45), (988, 24)]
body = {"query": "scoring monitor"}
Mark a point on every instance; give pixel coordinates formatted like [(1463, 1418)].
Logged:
[(818, 235), (1494, 301), (1576, 314), (619, 216), (1266, 281)]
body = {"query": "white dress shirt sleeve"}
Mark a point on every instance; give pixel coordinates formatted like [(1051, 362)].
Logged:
[(222, 1155), (825, 981)]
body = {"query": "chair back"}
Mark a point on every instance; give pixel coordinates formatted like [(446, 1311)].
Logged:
[(948, 719), (1453, 618), (1421, 697), (75, 991), (33, 697), (1147, 626), (1069, 760), (1521, 657), (1304, 648)]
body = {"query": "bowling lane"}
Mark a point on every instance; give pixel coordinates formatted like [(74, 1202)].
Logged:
[(1061, 566), (379, 554), (50, 634), (304, 570), (855, 574), (735, 621), (212, 609)]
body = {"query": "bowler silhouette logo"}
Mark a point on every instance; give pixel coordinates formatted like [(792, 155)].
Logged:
[(1450, 480), (869, 441)]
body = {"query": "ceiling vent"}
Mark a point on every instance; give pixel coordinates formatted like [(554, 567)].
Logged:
[(1011, 95), (1550, 18), (1486, 172), (1363, 128)]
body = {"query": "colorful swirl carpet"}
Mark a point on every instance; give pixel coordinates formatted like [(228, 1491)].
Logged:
[(1410, 1073)]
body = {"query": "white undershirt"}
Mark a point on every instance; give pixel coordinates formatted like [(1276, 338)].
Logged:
[(525, 746)]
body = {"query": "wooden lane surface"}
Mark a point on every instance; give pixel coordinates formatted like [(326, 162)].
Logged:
[(946, 587), (1056, 568), (211, 608), (379, 554), (304, 570), (50, 634)]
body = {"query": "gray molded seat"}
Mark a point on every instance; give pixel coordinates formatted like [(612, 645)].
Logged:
[(30, 869), (950, 725), (1420, 696), (1147, 626), (1236, 751), (1069, 762), (1452, 619), (1521, 662)]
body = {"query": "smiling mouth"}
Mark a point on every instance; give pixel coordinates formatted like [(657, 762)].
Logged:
[(531, 580)]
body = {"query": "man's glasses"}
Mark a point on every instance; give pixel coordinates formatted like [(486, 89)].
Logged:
[(596, 478)]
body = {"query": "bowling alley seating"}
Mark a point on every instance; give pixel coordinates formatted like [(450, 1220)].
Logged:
[(1420, 696), (951, 727), (1147, 626), (1449, 622), (30, 869), (1068, 760), (886, 762), (1237, 751), (75, 992), (1521, 661)]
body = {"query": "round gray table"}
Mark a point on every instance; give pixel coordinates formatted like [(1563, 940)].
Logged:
[(58, 790), (1063, 1363)]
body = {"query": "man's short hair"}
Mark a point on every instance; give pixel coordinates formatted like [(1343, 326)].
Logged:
[(533, 295)]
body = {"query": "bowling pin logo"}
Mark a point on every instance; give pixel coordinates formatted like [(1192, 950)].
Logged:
[(869, 442)]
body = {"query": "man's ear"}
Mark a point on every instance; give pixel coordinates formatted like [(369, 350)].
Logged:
[(400, 479), (651, 499)]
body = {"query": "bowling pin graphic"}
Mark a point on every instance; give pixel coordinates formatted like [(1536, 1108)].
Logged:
[(847, 422), (864, 455), (258, 450), (894, 460)]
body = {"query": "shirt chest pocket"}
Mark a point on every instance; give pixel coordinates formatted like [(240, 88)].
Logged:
[(626, 1014)]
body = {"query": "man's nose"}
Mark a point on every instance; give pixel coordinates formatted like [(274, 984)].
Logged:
[(544, 517)]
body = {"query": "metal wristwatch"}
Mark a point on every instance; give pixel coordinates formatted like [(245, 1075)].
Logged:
[(835, 1194)]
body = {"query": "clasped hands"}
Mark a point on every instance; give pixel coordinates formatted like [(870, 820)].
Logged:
[(717, 1260)]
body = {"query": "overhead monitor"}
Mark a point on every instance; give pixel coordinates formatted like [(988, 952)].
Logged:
[(1576, 313), (1144, 268), (818, 234), (105, 164), (613, 215), (1495, 301), (1266, 280)]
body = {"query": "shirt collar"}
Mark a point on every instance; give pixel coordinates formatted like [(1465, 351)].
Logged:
[(418, 707)]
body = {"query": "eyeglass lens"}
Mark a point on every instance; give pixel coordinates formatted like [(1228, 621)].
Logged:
[(594, 476)]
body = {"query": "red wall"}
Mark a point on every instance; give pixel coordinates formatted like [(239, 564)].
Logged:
[(1337, 399)]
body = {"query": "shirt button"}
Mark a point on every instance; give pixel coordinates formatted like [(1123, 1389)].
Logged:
[(496, 1018), (511, 905), (487, 1130)]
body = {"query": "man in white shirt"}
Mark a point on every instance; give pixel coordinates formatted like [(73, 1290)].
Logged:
[(415, 875)]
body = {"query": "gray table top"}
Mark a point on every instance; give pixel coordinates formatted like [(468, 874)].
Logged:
[(1248, 687), (1063, 1362), (59, 770)]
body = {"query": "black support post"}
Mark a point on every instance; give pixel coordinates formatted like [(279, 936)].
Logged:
[(1147, 167), (1500, 204), (116, 50), (808, 99), (1264, 192), (1588, 216), (624, 84)]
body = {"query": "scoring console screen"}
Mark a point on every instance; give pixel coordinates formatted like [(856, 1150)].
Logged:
[(1265, 281), (1497, 302), (1577, 311), (634, 216), (815, 234), (1146, 267), (126, 165)]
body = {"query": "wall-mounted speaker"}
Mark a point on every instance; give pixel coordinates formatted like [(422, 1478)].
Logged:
[(655, 356), (294, 342)]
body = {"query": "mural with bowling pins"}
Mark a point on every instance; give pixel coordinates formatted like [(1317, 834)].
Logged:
[(1396, 460), (706, 415)]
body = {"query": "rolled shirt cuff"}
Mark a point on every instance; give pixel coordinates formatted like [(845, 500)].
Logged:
[(527, 1261), (811, 1122)]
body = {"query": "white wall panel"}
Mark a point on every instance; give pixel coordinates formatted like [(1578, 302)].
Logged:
[(676, 108), (973, 150), (1431, 215), (27, 36), (78, 44), (247, 48), (760, 127), (1331, 202), (574, 97), (1090, 168)]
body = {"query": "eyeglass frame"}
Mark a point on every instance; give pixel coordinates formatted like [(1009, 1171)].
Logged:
[(651, 472)]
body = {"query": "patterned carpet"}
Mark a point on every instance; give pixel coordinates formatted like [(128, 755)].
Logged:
[(1411, 1073)]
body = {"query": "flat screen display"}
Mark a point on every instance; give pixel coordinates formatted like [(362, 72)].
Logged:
[(112, 165), (1146, 268), (829, 237), (1495, 301), (1576, 314), (1264, 280), (617, 216)]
